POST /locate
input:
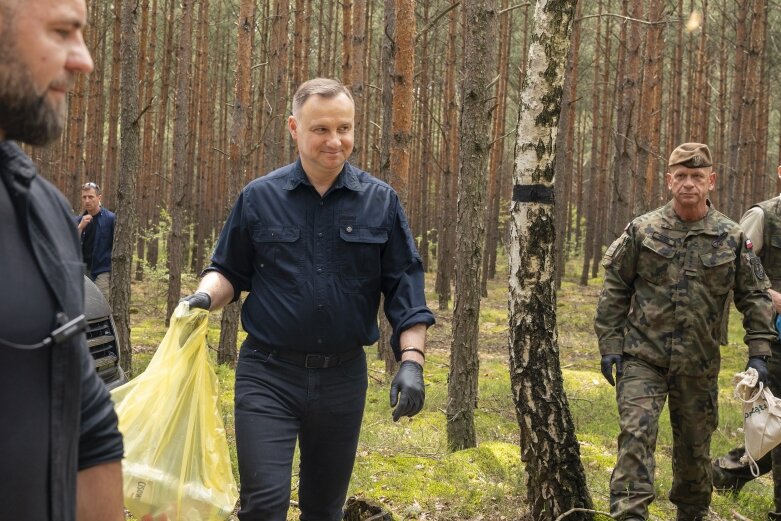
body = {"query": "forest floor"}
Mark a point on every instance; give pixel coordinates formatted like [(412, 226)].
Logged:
[(406, 466)]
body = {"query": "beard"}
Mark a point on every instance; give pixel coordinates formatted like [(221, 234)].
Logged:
[(24, 115)]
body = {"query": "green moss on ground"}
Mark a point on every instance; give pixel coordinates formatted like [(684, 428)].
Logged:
[(406, 467)]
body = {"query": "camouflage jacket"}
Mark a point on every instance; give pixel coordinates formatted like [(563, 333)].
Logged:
[(666, 284), (771, 240)]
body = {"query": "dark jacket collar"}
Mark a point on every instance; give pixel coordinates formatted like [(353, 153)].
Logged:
[(16, 169)]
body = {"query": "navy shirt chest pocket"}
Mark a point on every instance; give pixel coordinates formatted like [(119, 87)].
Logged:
[(278, 253), (359, 251)]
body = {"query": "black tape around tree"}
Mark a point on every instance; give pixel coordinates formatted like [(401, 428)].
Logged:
[(533, 194)]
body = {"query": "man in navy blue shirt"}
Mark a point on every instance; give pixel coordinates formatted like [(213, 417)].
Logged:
[(315, 243), (96, 227)]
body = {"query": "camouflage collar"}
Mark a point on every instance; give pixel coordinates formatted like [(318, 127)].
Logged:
[(707, 224)]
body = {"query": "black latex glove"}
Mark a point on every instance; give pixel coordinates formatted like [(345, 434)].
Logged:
[(608, 361), (199, 299), (759, 363), (408, 383)]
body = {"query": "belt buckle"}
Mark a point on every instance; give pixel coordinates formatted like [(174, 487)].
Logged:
[(316, 361)]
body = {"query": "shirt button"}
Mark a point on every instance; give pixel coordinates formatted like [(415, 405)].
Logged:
[(319, 340), (320, 307), (321, 203), (319, 270), (349, 229), (320, 234)]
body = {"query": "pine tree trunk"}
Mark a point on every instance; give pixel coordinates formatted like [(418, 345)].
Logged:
[(110, 168), (479, 19), (445, 245), (496, 158), (625, 179), (125, 231), (177, 238), (555, 477), (358, 77), (226, 353), (347, 37), (384, 351), (591, 211), (648, 124), (734, 174), (564, 147)]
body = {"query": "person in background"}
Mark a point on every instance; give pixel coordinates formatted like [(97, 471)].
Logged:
[(762, 224), (315, 243), (667, 278), (96, 226), (59, 444)]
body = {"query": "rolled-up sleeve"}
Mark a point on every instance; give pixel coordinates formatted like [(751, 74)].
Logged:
[(99, 438), (403, 283), (233, 254)]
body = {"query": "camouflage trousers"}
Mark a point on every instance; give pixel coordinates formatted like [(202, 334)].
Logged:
[(693, 404)]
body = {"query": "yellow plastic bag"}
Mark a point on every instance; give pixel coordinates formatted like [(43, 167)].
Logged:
[(176, 455)]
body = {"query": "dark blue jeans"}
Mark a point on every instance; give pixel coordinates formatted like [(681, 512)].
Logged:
[(277, 403)]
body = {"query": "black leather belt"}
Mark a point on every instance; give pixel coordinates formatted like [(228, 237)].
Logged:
[(306, 360)]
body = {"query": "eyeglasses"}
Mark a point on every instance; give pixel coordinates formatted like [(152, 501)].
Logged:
[(90, 186)]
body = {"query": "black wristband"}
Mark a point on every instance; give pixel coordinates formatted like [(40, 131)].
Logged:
[(414, 350)]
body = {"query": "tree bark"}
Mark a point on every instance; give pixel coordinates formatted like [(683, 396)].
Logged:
[(177, 238), (384, 351), (229, 328), (445, 229), (625, 177), (125, 230), (556, 480), (479, 19), (565, 140)]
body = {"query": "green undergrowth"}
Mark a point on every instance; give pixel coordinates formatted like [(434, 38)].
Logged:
[(406, 467)]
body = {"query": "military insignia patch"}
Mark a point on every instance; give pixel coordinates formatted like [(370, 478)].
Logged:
[(749, 244), (759, 271)]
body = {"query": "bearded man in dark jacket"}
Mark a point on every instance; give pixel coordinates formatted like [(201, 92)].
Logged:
[(58, 429)]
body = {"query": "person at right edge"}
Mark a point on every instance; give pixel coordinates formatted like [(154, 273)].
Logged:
[(315, 243), (658, 316), (762, 224)]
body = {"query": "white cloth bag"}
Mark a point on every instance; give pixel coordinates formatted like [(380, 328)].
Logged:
[(761, 417)]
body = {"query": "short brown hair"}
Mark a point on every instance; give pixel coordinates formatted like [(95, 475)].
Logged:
[(325, 87)]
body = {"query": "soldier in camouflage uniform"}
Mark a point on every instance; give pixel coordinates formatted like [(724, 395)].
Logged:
[(658, 318), (762, 223)]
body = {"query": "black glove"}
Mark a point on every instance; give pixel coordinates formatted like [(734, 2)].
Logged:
[(199, 299), (409, 383), (760, 364), (608, 361)]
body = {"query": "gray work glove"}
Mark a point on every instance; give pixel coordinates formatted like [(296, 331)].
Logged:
[(760, 364), (199, 299), (408, 383), (608, 361)]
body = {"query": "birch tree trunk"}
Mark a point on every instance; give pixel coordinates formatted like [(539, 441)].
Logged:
[(479, 19), (555, 477), (125, 233)]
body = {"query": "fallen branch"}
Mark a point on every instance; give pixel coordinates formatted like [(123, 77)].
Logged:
[(588, 510)]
